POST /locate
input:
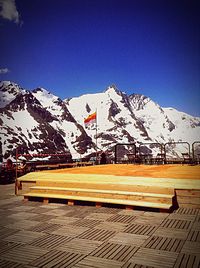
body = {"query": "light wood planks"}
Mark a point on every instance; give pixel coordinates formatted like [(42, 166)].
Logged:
[(102, 188), (188, 198), (96, 199)]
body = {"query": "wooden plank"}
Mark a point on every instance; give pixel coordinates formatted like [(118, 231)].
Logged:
[(85, 189), (128, 239), (5, 246), (140, 229), (178, 224), (188, 200), (103, 200), (164, 243), (45, 227), (154, 257), (55, 211), (10, 264), (88, 223), (58, 258), (186, 205), (97, 235), (121, 218), (146, 198), (4, 232), (112, 226), (25, 187), (22, 215), (63, 220), (50, 241), (166, 199), (187, 261), (105, 186), (67, 230), (194, 235), (149, 219), (188, 211), (185, 216), (98, 215), (92, 261), (191, 247), (115, 252), (171, 233), (23, 237), (81, 246), (22, 224), (192, 193), (24, 254)]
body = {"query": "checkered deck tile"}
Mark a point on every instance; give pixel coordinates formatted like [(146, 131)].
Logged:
[(57, 259), (35, 235), (116, 252)]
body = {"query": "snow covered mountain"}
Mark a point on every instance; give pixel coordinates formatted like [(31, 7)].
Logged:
[(39, 122)]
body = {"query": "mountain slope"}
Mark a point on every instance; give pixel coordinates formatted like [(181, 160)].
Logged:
[(39, 122), (186, 128), (115, 120), (73, 133), (26, 126)]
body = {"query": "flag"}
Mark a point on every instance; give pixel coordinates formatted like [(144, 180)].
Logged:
[(90, 119)]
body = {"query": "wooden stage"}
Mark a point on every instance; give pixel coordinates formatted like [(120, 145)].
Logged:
[(163, 187)]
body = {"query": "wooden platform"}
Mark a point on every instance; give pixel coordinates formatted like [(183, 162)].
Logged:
[(37, 235), (131, 191)]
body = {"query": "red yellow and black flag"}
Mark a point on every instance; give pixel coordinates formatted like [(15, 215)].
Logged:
[(90, 119)]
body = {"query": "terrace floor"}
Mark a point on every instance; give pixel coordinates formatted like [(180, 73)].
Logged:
[(154, 171), (34, 234)]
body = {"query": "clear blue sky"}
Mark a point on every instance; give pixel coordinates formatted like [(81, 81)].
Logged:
[(73, 47)]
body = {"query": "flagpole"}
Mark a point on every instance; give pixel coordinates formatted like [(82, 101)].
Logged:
[(96, 135), (90, 119)]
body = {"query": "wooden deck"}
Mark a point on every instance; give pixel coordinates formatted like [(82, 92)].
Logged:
[(132, 191), (51, 235)]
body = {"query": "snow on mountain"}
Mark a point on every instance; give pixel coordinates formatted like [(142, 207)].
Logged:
[(50, 102), (39, 121), (8, 92), (115, 121), (25, 124), (186, 128), (156, 122), (73, 133)]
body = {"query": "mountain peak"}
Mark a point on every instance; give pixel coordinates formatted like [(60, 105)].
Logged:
[(113, 89), (6, 85), (41, 90), (8, 92), (45, 97)]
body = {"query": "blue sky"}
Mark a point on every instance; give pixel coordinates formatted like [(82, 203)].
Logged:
[(74, 47)]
